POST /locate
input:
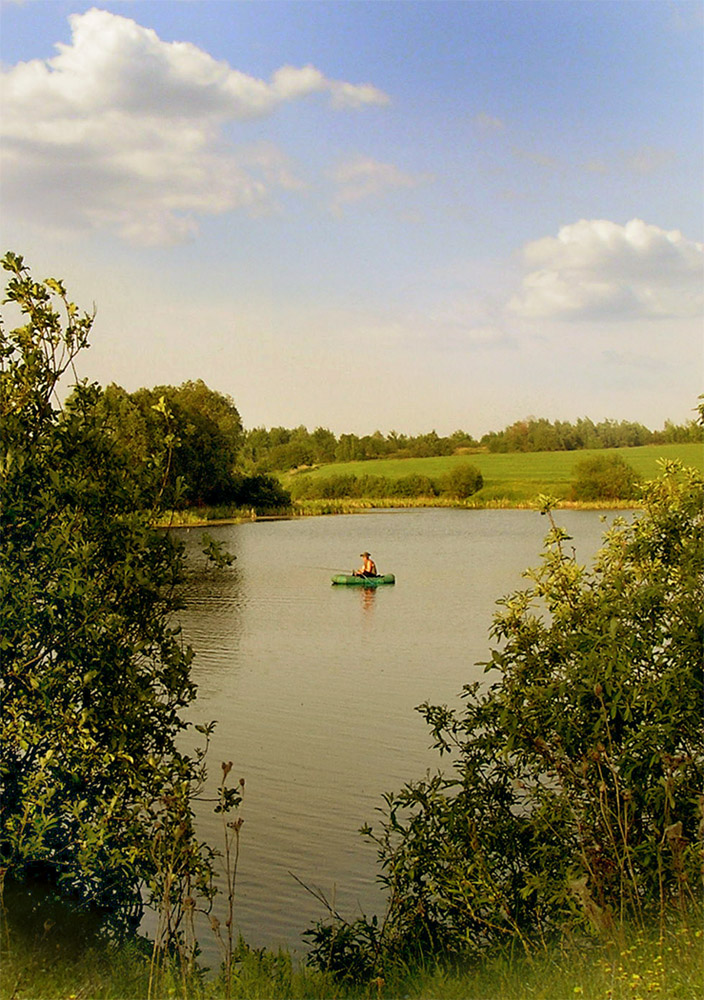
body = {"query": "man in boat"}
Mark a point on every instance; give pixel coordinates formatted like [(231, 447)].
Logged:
[(368, 566)]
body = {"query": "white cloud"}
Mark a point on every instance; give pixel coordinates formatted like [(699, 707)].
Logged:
[(596, 269), (348, 95), (363, 177), (467, 321), (128, 130), (632, 361), (275, 168), (486, 336)]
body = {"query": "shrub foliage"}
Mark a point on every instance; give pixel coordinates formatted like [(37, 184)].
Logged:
[(95, 793), (605, 477), (461, 483)]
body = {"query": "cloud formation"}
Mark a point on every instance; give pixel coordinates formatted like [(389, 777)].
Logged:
[(596, 269), (129, 129)]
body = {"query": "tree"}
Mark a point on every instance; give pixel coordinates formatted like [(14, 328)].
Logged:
[(96, 794), (605, 477), (261, 492), (461, 439), (325, 443), (206, 431), (349, 449), (124, 420), (576, 796), (203, 429)]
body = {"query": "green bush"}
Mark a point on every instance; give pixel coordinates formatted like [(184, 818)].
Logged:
[(369, 486), (95, 793), (605, 477), (261, 492), (414, 485), (462, 481), (350, 486)]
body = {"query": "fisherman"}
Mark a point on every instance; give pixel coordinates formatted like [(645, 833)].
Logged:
[(368, 566)]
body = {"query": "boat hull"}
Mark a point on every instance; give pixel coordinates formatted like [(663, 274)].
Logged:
[(350, 580)]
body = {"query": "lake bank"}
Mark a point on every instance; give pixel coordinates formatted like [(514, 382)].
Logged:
[(512, 481), (194, 517), (667, 964)]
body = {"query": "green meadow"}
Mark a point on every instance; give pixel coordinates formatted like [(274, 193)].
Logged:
[(514, 478)]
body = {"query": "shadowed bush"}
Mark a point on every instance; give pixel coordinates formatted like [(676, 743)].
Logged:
[(605, 477), (350, 486), (462, 481)]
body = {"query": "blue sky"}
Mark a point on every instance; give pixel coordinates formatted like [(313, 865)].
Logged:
[(370, 215)]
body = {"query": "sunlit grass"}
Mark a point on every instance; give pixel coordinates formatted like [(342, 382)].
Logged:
[(514, 478)]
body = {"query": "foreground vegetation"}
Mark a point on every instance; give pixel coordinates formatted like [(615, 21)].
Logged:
[(95, 792), (667, 965), (574, 800)]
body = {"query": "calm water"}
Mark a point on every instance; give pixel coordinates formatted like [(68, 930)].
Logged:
[(314, 686)]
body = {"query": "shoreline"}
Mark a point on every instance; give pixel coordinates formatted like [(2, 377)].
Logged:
[(323, 508)]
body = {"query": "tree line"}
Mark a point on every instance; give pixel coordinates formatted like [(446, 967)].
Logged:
[(279, 448), (543, 435), (215, 460)]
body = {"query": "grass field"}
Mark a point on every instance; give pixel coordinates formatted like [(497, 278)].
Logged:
[(515, 477)]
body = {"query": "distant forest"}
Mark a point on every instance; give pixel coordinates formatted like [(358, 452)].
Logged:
[(213, 459), (280, 449)]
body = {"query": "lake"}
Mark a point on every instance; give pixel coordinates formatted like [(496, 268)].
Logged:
[(314, 686)]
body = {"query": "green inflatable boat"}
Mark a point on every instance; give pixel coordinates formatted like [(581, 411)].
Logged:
[(350, 580)]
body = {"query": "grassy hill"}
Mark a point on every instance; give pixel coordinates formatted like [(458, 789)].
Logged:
[(515, 477)]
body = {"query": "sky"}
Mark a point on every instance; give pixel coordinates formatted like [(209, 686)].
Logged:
[(369, 215)]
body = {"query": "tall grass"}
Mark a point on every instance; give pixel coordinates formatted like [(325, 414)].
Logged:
[(665, 964), (193, 517)]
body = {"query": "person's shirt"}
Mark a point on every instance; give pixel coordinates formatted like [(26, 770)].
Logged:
[(369, 566)]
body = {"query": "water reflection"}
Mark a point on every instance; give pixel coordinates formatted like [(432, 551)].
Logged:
[(214, 600), (368, 598)]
